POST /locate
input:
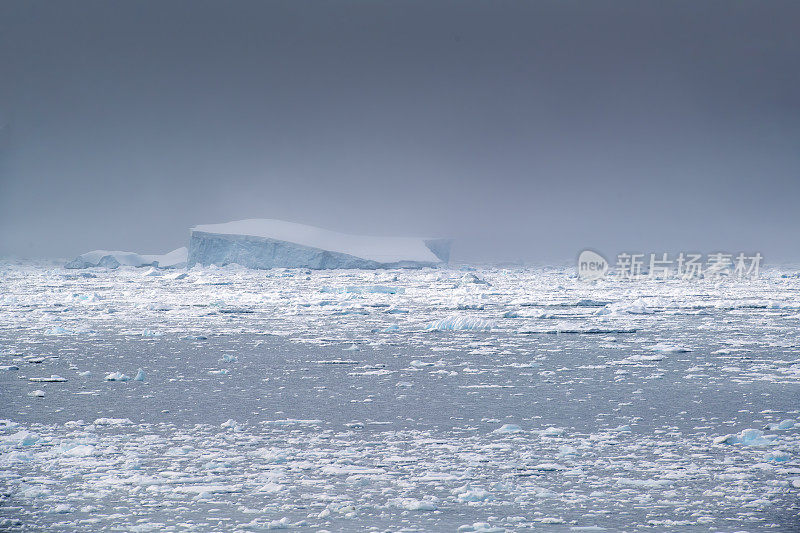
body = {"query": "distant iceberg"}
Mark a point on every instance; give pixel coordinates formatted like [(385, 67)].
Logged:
[(265, 243), (113, 259)]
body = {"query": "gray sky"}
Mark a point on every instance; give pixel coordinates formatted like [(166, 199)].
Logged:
[(525, 130)]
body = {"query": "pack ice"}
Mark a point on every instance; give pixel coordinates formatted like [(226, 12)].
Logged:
[(266, 243), (113, 259)]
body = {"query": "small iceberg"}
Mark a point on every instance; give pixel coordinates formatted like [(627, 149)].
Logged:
[(783, 425), (776, 457), (507, 429), (747, 437)]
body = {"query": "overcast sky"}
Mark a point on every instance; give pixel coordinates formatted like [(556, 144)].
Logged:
[(525, 130)]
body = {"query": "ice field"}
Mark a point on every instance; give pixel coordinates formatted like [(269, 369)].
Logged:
[(453, 399)]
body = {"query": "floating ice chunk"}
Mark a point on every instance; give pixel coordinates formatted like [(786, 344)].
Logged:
[(271, 488), (346, 470), (281, 523), (561, 330), (413, 504), (747, 437), (36, 393), (567, 451), (777, 457), (754, 437), (139, 375), (370, 289), (218, 372), (351, 348), (20, 438), (549, 467), (471, 278), (228, 358), (132, 462), (85, 373), (637, 307), (551, 431), (31, 492), (113, 422), (638, 358), (16, 457), (9, 367), (782, 425), (76, 450), (642, 483), (481, 527), (669, 348), (506, 429), (292, 421), (62, 508), (52, 379), (460, 323), (468, 494), (117, 376), (206, 490)]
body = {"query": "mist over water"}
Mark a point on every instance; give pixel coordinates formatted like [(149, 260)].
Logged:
[(525, 131)]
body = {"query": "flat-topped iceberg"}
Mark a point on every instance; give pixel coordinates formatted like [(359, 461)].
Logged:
[(265, 243), (115, 258)]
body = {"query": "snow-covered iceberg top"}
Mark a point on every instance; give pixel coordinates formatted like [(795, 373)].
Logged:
[(115, 258), (267, 243)]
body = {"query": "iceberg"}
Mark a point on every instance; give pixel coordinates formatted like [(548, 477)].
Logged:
[(266, 243), (115, 258)]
